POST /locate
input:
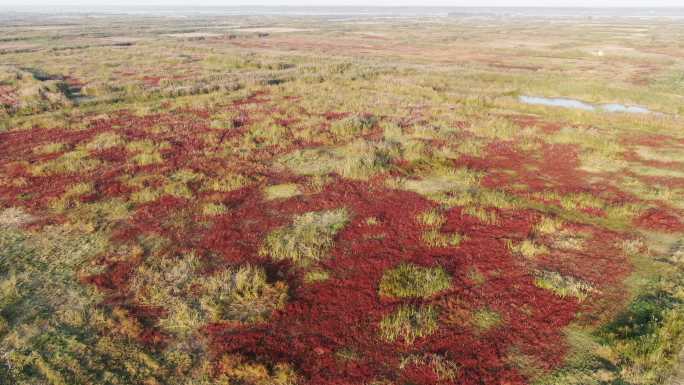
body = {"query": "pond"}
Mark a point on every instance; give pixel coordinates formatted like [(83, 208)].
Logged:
[(580, 105)]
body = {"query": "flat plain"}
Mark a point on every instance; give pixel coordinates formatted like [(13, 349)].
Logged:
[(256, 199)]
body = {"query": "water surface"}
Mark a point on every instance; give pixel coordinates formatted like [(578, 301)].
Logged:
[(580, 105)]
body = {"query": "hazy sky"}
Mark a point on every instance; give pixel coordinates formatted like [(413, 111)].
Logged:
[(550, 3)]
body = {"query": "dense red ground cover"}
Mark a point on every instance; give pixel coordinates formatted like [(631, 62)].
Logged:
[(660, 219), (7, 96), (342, 313)]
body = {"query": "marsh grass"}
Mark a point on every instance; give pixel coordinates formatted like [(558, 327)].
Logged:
[(483, 215), (353, 126), (281, 191), (564, 286), (241, 371), (53, 327), (600, 152), (359, 159), (314, 276), (444, 368), (50, 148), (548, 226), (78, 160), (145, 195), (105, 141), (406, 281), (433, 220), (447, 180), (241, 294), (486, 319), (433, 105), (667, 154), (226, 183), (213, 209), (70, 198), (145, 152), (307, 239), (408, 323), (435, 238), (527, 248)]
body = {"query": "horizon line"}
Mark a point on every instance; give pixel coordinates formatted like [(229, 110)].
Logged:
[(343, 6)]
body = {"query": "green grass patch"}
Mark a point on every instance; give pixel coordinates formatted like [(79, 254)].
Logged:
[(486, 319), (307, 239), (408, 323), (407, 280), (563, 286), (281, 191)]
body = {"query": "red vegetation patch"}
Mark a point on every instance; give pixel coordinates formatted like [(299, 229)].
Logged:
[(116, 276), (651, 140), (255, 98), (151, 81), (8, 96), (660, 219), (332, 115), (554, 167), (344, 311)]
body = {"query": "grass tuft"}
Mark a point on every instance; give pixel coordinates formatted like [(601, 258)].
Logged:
[(527, 248), (281, 191), (486, 319), (308, 239), (406, 281), (353, 126), (105, 141), (563, 286), (408, 323), (213, 209)]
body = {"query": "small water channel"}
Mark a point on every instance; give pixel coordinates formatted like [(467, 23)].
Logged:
[(580, 105)]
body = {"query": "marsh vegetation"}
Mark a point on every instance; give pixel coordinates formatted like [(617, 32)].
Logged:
[(253, 200)]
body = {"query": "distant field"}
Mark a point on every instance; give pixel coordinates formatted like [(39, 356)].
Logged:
[(295, 199)]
